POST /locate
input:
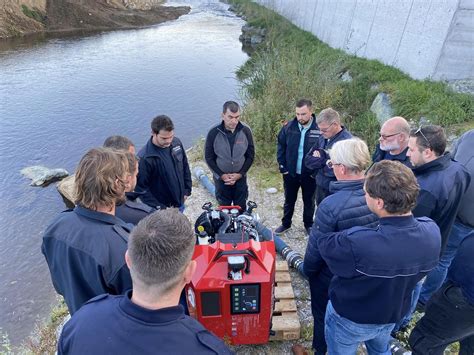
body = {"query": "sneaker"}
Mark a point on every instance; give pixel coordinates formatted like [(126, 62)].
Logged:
[(281, 229)]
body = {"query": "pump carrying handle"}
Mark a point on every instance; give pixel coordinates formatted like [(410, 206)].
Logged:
[(234, 252)]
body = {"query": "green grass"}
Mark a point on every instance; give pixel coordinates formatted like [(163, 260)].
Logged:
[(293, 64), (34, 13)]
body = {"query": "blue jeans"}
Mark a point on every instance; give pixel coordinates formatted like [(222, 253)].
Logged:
[(343, 336), (436, 277)]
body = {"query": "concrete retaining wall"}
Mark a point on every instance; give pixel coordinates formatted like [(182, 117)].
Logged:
[(424, 38)]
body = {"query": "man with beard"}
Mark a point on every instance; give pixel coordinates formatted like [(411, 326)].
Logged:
[(84, 246), (295, 139), (393, 141)]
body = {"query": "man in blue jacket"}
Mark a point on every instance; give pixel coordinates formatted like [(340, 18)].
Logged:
[(149, 319), (376, 269), (164, 177), (443, 183), (343, 209), (84, 247), (294, 141), (329, 123), (393, 141)]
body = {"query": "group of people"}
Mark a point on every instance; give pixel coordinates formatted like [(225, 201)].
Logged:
[(379, 230)]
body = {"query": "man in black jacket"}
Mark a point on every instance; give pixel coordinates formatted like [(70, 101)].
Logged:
[(393, 141), (229, 153), (295, 139), (332, 131), (442, 184), (164, 177)]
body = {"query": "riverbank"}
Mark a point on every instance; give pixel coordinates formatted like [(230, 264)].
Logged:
[(292, 63), (49, 16)]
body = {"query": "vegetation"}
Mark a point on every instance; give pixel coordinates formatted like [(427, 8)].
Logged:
[(293, 64), (35, 14)]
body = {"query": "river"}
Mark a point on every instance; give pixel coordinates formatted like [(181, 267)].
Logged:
[(61, 95)]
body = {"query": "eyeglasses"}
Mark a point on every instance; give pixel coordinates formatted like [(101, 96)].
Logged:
[(386, 136), (423, 135), (331, 165), (324, 130)]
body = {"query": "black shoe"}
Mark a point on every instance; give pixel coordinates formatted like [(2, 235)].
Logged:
[(281, 229)]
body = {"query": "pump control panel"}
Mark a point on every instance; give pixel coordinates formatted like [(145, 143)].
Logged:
[(245, 298)]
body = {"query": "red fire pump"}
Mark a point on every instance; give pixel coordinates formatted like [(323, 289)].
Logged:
[(232, 290)]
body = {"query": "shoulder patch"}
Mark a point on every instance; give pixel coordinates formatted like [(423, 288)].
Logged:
[(98, 298)]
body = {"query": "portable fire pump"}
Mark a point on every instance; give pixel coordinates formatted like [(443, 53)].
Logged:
[(232, 290)]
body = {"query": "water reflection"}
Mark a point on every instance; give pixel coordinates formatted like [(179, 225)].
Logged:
[(61, 95)]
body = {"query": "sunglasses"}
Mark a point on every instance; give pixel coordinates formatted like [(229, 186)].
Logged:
[(424, 137)]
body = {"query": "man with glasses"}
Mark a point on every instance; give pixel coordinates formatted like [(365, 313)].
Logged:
[(393, 141), (329, 123), (164, 177), (442, 182), (295, 140)]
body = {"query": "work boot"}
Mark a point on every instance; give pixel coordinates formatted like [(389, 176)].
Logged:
[(281, 229)]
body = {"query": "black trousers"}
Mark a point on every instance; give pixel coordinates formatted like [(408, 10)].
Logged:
[(319, 289), (236, 194), (291, 185), (448, 318)]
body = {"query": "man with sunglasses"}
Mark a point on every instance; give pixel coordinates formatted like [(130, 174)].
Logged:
[(332, 131), (393, 141), (442, 182)]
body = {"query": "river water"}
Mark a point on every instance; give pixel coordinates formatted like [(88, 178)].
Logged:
[(60, 96)]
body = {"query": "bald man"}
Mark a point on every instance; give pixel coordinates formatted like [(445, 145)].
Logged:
[(393, 141)]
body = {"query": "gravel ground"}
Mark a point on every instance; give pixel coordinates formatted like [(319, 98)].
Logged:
[(270, 209)]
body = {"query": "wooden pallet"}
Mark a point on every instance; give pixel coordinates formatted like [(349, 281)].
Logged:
[(285, 321)]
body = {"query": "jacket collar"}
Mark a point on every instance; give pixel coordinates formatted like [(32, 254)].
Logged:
[(440, 163), (398, 221), (346, 185), (163, 315), (313, 125), (102, 217), (221, 127)]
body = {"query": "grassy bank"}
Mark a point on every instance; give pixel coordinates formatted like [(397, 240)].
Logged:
[(292, 64)]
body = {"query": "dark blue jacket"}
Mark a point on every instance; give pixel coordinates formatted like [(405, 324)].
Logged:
[(114, 325), (345, 208), (164, 182), (132, 210), (380, 155), (324, 174), (289, 142), (461, 271), (85, 252), (375, 270), (442, 184)]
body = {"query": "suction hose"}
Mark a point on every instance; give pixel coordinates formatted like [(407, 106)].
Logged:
[(294, 259)]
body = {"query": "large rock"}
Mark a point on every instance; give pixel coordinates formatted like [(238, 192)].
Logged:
[(382, 108), (41, 175)]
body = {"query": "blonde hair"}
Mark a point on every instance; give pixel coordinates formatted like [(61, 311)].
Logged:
[(100, 178), (352, 153)]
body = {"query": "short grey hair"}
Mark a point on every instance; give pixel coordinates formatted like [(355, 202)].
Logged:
[(353, 153), (328, 115), (160, 247)]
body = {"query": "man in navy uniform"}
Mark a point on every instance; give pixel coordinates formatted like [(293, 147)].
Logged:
[(295, 140), (132, 210), (376, 269), (84, 246), (332, 131), (164, 177), (147, 320)]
